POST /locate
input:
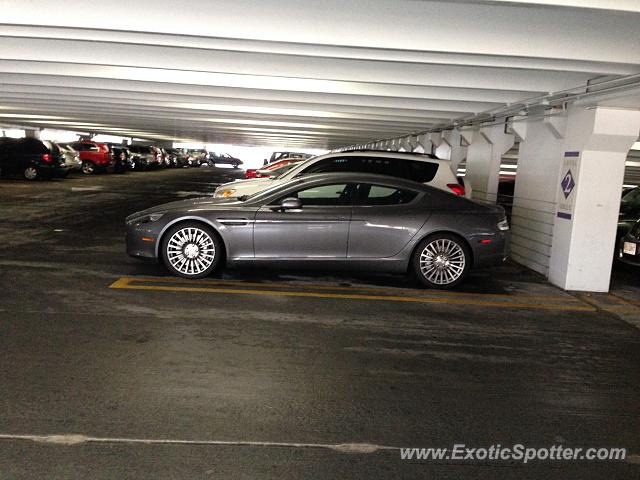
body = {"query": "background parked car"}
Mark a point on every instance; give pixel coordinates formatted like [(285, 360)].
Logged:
[(31, 158), (144, 157), (629, 246), (122, 157), (95, 157), (253, 172), (422, 168), (71, 157), (179, 157), (629, 211), (275, 172), (275, 156), (224, 158), (197, 157)]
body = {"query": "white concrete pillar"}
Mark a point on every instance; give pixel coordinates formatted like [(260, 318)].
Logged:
[(451, 148), (32, 133), (534, 203), (596, 144), (425, 141), (484, 155)]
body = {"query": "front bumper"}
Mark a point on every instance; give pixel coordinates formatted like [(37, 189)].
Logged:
[(141, 239)]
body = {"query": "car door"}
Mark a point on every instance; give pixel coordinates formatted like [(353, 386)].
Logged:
[(318, 230), (384, 220)]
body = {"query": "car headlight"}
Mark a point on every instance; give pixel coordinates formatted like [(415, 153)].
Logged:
[(503, 225), (153, 217), (228, 193)]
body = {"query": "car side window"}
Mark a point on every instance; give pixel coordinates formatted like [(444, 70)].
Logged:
[(337, 164), (335, 194), (383, 195)]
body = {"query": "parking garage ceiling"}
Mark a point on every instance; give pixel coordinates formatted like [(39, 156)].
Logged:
[(309, 74)]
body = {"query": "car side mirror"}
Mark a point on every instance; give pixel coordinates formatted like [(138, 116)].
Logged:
[(291, 204)]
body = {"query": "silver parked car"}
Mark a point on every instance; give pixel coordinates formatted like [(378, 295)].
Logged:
[(351, 220), (71, 156)]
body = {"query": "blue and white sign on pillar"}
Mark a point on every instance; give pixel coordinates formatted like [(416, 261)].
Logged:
[(568, 182)]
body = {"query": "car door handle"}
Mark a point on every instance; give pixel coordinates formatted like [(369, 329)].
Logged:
[(235, 221)]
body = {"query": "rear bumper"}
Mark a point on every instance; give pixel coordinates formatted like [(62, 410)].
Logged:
[(492, 253), (626, 258)]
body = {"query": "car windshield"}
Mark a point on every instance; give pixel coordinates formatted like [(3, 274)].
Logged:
[(263, 193), (631, 201)]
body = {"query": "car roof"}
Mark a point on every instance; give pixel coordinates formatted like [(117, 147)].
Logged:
[(425, 156), (357, 177)]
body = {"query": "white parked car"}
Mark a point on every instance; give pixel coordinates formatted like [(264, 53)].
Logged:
[(426, 169)]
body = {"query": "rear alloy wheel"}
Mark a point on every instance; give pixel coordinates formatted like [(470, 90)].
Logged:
[(88, 168), (441, 261), (31, 173), (191, 250)]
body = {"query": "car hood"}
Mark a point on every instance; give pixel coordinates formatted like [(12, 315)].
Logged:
[(201, 202), (247, 187)]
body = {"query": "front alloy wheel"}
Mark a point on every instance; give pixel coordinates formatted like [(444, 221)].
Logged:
[(191, 250), (441, 261), (88, 167)]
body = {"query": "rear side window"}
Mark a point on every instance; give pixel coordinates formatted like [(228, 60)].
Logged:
[(383, 195), (418, 171), (422, 172), (90, 147)]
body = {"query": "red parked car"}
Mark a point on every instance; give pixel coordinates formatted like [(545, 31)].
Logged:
[(94, 156), (255, 172)]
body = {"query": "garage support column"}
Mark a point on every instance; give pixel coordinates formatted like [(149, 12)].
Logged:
[(484, 155), (425, 141), (451, 148), (534, 203), (32, 134), (596, 145)]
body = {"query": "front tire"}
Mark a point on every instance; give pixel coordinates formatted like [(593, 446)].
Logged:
[(441, 261), (191, 250), (31, 173), (88, 168)]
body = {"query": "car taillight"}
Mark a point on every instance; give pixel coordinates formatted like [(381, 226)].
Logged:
[(456, 188), (46, 157), (251, 173)]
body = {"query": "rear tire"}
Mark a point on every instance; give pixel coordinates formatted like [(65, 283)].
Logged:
[(191, 250), (235, 164), (441, 261)]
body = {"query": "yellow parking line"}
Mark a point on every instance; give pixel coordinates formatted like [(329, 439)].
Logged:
[(125, 283), (414, 292)]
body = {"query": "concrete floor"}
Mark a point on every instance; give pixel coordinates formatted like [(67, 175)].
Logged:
[(144, 371)]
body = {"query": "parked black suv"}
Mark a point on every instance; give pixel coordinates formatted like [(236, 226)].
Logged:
[(121, 156), (31, 158)]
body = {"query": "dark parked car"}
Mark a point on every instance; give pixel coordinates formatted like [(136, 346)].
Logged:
[(629, 211), (351, 220), (95, 157), (31, 158), (121, 156), (629, 246), (178, 156), (225, 158), (197, 157), (144, 157)]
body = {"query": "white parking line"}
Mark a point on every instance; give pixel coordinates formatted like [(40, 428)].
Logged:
[(75, 439)]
